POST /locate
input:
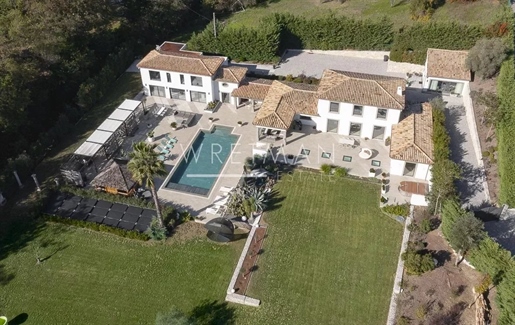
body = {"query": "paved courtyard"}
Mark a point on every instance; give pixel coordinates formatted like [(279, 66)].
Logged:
[(227, 115)]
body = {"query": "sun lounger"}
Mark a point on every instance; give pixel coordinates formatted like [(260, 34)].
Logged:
[(221, 200), (212, 210), (162, 111), (226, 189), (161, 157), (162, 150), (167, 145), (170, 139)]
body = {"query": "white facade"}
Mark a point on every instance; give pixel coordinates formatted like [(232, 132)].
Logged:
[(223, 89), (368, 120), (422, 171), (451, 86), (179, 85)]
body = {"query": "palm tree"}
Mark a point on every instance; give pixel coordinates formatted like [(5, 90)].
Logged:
[(144, 165)]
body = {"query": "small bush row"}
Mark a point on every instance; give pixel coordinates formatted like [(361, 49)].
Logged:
[(131, 234), (397, 209)]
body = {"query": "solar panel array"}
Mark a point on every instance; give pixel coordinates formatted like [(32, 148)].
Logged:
[(102, 212)]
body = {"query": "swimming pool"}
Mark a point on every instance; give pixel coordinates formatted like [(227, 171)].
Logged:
[(203, 161)]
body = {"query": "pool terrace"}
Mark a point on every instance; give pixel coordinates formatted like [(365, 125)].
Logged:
[(228, 115)]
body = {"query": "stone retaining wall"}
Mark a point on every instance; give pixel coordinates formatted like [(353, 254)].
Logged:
[(392, 312), (234, 297)]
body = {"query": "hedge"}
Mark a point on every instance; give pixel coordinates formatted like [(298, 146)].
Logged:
[(506, 299), (397, 209), (506, 133), (444, 171), (490, 258), (131, 234), (258, 44), (411, 43), (333, 32)]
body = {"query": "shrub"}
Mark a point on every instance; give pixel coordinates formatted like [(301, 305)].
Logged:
[(397, 209), (506, 298), (490, 258), (416, 262), (326, 169), (411, 43), (451, 211), (425, 225), (403, 320), (506, 133), (340, 172), (131, 234), (444, 171), (486, 57), (155, 231)]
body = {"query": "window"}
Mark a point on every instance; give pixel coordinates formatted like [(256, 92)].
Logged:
[(305, 152), (378, 132), (168, 77), (358, 110), (347, 158), (196, 81), (334, 107), (182, 79), (326, 155), (157, 91), (376, 163), (332, 126), (409, 169), (355, 129), (154, 75), (197, 96), (381, 113), (177, 93)]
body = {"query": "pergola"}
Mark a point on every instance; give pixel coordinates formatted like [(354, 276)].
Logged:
[(104, 141)]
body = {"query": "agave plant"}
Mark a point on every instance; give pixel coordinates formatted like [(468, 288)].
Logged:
[(258, 198)]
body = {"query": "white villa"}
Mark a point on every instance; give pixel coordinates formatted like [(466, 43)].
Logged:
[(357, 109), (445, 71), (171, 71)]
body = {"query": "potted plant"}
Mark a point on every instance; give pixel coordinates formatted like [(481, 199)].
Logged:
[(211, 120), (384, 174), (240, 123), (290, 159), (387, 141), (384, 199), (173, 125), (383, 189), (372, 172), (150, 136)]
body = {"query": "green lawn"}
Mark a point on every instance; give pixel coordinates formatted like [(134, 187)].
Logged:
[(482, 11), (330, 256), (109, 280)]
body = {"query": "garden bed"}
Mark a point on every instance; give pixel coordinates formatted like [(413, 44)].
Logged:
[(212, 107), (250, 262)]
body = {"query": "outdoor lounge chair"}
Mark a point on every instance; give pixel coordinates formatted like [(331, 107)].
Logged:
[(221, 200), (162, 150), (170, 139), (212, 210), (167, 145), (226, 189)]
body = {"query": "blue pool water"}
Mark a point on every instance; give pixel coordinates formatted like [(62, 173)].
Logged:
[(203, 161)]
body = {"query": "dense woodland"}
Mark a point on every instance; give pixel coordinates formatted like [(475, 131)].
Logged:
[(49, 48)]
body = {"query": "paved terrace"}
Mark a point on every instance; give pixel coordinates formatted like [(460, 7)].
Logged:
[(227, 115)]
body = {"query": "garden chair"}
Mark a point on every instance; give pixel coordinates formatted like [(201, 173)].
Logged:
[(161, 157)]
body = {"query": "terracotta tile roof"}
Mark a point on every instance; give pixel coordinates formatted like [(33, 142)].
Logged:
[(231, 74), (281, 104), (412, 138), (252, 88), (116, 176), (447, 64), (182, 62), (362, 89)]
